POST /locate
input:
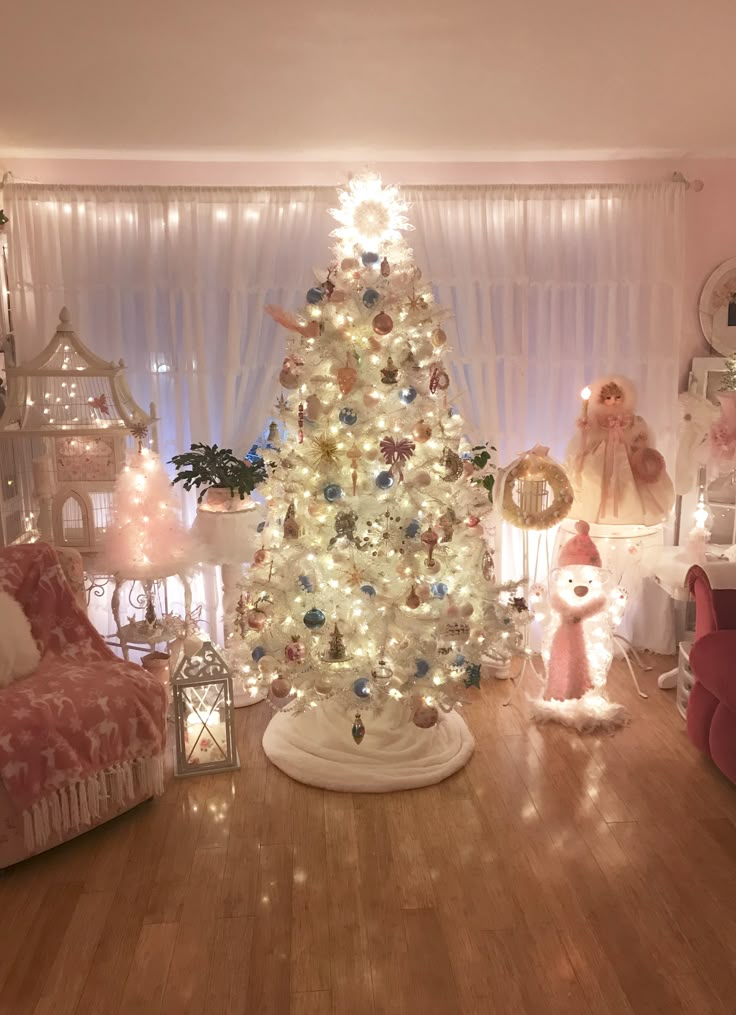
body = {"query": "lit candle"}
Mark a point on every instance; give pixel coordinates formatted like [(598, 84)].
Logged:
[(585, 395)]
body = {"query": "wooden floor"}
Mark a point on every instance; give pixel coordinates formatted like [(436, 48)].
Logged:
[(554, 874)]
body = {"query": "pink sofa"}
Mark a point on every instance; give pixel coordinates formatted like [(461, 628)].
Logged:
[(711, 709), (83, 737)]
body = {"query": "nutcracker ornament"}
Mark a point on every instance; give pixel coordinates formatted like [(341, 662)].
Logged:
[(582, 615)]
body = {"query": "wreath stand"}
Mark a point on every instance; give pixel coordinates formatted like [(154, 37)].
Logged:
[(316, 747)]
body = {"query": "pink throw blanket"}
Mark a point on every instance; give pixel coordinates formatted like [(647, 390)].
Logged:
[(85, 726)]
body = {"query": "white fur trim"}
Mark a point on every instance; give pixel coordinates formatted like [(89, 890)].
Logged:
[(82, 803), (590, 714)]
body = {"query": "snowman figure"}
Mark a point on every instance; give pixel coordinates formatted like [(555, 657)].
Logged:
[(583, 613)]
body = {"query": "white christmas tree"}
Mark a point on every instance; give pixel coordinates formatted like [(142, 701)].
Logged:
[(147, 538), (374, 589)]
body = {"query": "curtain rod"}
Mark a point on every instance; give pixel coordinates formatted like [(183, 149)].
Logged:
[(677, 177)]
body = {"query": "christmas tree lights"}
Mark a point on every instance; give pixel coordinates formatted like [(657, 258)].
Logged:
[(373, 560)]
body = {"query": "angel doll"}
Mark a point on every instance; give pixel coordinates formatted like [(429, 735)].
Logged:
[(618, 476)]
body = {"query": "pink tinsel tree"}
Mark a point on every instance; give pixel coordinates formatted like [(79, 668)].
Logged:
[(147, 538)]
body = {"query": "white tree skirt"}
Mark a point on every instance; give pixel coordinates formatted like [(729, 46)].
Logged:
[(317, 748), (242, 698)]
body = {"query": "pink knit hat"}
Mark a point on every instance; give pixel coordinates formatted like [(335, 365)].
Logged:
[(580, 549)]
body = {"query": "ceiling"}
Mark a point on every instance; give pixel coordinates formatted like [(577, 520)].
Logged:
[(389, 79)]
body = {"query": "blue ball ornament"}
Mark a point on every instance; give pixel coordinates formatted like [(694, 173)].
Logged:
[(332, 492), (438, 590), (348, 416), (368, 590), (422, 667), (459, 661), (368, 257), (412, 529), (314, 619), (260, 527), (407, 395), (258, 653), (315, 295), (371, 297), (306, 583), (384, 480), (362, 688)]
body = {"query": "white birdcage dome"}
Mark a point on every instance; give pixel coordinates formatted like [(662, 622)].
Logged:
[(68, 388)]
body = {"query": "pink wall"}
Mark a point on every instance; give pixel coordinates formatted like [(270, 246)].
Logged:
[(711, 213)]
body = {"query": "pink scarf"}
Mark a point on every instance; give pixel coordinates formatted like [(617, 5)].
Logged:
[(568, 672)]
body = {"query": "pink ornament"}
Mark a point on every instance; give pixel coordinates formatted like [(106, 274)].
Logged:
[(295, 651), (256, 620), (372, 398), (346, 377), (262, 556), (473, 520), (425, 716), (280, 687)]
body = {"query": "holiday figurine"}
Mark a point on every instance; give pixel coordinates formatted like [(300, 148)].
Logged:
[(291, 525), (578, 642), (240, 624), (618, 476), (336, 650)]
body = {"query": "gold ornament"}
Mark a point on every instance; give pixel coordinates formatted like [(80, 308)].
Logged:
[(453, 465), (323, 450), (354, 454), (139, 430), (389, 373), (439, 338)]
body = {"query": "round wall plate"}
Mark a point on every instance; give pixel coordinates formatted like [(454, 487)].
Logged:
[(717, 308)]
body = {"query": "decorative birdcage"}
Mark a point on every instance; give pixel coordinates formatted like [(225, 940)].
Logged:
[(62, 442), (203, 714)]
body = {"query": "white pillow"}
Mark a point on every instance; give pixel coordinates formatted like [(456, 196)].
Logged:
[(19, 654)]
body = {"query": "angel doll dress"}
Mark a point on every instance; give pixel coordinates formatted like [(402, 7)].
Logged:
[(618, 476)]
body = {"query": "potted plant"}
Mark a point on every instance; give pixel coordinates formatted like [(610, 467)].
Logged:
[(219, 476)]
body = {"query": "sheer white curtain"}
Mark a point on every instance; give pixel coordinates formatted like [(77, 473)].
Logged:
[(551, 286), (174, 281)]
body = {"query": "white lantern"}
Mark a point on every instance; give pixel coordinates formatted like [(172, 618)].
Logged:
[(203, 713)]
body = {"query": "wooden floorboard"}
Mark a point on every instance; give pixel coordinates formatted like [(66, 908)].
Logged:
[(555, 874)]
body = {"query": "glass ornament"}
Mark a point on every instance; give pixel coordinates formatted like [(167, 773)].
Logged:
[(314, 619), (348, 416), (407, 395), (258, 653), (384, 480), (368, 590), (333, 492), (439, 590), (368, 257), (371, 297), (280, 687), (315, 295), (422, 668), (362, 688), (412, 529), (383, 324)]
